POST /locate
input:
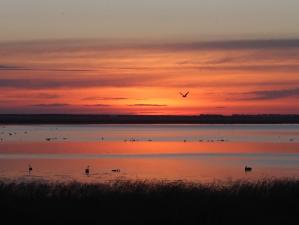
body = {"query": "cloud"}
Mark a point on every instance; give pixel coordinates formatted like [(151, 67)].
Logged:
[(103, 99), (213, 61), (45, 95), (97, 105), (149, 105), (20, 68), (212, 65), (294, 68), (272, 94), (256, 44), (61, 105), (222, 60), (12, 67), (51, 105), (100, 81), (97, 69), (71, 46), (121, 82), (32, 95)]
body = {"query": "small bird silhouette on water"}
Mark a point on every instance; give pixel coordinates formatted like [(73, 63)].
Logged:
[(248, 169), (29, 169), (116, 170), (184, 95), (87, 170)]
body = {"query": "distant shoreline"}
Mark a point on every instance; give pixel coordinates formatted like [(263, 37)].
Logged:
[(13, 119)]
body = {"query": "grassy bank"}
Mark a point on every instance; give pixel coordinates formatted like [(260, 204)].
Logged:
[(263, 202)]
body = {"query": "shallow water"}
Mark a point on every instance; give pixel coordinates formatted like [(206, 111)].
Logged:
[(203, 153)]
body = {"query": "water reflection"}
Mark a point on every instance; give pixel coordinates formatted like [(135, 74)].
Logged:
[(203, 162), (165, 157), (168, 133)]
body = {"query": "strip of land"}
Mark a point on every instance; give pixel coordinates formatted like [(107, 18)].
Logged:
[(139, 119), (144, 202)]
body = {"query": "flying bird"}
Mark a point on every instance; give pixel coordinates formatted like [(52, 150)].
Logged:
[(184, 95)]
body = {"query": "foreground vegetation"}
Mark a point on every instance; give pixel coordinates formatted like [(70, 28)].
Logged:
[(136, 202)]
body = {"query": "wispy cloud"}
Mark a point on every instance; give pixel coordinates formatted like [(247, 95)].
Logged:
[(12, 67), (149, 105), (236, 44), (28, 68), (213, 65), (294, 68), (61, 105), (45, 95), (271, 94), (97, 105), (31, 95), (102, 45), (134, 81), (103, 99), (51, 105), (100, 81)]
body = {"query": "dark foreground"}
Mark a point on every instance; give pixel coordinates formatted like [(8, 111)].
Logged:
[(144, 119), (125, 202)]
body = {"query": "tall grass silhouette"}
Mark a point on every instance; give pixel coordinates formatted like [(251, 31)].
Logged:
[(146, 202)]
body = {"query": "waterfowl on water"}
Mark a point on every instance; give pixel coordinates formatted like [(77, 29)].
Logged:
[(87, 170), (248, 169), (29, 169)]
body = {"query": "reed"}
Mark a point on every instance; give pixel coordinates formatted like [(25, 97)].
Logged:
[(151, 202)]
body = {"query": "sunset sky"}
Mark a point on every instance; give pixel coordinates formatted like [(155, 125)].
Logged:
[(135, 56)]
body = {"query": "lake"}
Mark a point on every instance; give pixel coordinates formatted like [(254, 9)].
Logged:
[(204, 153)]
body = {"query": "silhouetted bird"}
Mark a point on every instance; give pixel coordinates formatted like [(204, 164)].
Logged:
[(184, 95), (87, 170), (248, 169), (29, 169), (116, 170)]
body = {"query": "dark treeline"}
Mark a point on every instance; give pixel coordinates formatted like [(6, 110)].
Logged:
[(125, 202), (139, 119)]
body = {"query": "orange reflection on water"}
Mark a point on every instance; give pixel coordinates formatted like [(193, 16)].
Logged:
[(188, 169), (191, 161), (140, 148)]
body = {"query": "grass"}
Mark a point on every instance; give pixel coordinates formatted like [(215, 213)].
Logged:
[(146, 202)]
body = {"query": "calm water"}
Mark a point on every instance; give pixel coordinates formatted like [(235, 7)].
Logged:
[(203, 153)]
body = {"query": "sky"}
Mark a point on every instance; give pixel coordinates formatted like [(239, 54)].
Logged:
[(135, 56)]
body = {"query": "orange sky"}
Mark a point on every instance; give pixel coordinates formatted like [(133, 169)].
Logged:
[(94, 76)]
